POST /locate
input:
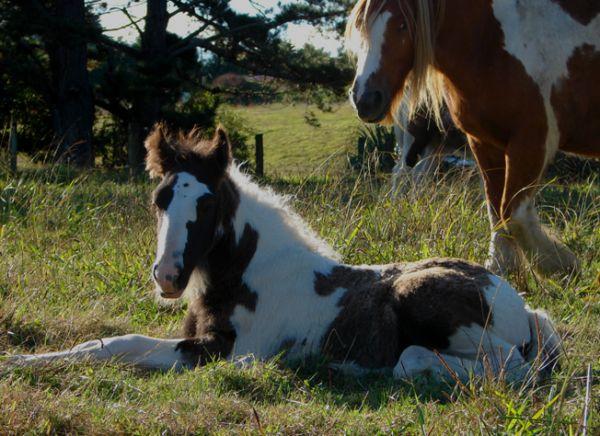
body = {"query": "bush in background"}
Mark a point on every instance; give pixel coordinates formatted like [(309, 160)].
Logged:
[(239, 131), (375, 149)]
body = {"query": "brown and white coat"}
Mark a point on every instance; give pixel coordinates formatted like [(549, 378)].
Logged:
[(520, 79)]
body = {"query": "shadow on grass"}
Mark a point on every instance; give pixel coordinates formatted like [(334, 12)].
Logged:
[(28, 336), (316, 382)]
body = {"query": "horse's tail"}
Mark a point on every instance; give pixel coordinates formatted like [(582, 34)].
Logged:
[(545, 348)]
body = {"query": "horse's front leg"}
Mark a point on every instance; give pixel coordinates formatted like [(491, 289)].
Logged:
[(503, 255)]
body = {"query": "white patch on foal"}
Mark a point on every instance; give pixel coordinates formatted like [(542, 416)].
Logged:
[(543, 36), (288, 308), (173, 234), (369, 57)]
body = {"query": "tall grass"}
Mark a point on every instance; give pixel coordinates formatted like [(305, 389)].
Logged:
[(76, 250)]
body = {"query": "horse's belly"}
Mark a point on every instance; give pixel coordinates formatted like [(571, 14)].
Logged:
[(576, 102)]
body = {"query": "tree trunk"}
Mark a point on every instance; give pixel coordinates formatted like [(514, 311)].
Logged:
[(147, 106), (74, 107), (135, 148)]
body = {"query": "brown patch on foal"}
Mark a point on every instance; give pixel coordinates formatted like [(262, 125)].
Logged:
[(421, 303), (583, 11), (208, 322)]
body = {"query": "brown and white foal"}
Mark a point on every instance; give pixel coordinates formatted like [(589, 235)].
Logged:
[(260, 282)]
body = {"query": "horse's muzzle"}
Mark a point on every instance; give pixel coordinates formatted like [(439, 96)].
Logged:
[(372, 106)]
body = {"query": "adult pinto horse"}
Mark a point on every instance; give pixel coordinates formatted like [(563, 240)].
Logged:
[(261, 283), (521, 78)]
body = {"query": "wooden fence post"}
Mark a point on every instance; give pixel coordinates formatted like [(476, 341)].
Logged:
[(12, 146), (260, 168)]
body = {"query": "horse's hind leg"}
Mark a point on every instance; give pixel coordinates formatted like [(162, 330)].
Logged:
[(138, 350), (523, 172)]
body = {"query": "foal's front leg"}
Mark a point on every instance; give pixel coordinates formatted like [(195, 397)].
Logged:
[(137, 350)]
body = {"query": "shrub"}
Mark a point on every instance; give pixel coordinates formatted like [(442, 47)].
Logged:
[(239, 131), (375, 148)]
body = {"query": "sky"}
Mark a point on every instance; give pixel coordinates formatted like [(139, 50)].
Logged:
[(297, 34)]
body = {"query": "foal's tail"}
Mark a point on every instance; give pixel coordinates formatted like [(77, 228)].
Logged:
[(545, 348)]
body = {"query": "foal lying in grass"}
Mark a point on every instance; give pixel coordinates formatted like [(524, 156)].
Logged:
[(261, 282)]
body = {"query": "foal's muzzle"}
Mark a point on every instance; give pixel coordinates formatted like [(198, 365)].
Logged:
[(167, 279)]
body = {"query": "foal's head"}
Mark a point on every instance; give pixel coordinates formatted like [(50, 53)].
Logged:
[(393, 42), (191, 202)]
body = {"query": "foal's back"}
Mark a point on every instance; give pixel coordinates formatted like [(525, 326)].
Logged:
[(426, 303)]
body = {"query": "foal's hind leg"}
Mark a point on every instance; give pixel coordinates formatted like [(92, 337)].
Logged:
[(416, 360), (420, 361), (138, 350)]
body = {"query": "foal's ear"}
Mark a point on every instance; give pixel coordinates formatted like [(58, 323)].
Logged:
[(161, 155), (221, 149)]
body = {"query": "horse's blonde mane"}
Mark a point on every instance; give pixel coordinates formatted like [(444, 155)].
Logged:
[(424, 85)]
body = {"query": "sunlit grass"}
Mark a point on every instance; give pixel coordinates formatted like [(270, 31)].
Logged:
[(294, 147), (76, 251)]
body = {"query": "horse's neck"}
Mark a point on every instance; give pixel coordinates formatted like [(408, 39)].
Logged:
[(468, 39), (287, 252)]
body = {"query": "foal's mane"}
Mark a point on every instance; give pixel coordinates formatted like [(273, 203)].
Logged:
[(280, 204), (424, 85)]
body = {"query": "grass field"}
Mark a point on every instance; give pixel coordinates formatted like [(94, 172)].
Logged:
[(76, 251), (292, 146)]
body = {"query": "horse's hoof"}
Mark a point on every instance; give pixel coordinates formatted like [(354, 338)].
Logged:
[(503, 267), (561, 260)]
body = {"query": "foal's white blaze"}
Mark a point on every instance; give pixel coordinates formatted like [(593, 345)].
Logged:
[(369, 57), (173, 233)]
